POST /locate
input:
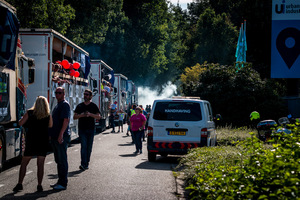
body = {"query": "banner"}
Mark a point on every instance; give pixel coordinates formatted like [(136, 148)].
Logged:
[(285, 43)]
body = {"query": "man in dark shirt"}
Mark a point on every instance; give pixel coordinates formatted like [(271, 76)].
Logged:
[(86, 113), (60, 137)]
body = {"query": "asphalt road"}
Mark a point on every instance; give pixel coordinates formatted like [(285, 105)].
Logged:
[(115, 173)]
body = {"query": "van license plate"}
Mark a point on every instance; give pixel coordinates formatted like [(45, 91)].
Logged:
[(176, 132)]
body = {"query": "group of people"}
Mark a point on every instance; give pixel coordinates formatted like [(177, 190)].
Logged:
[(136, 120), (43, 127)]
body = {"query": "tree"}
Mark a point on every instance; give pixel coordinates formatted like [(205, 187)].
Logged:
[(215, 38), (234, 94), (54, 14)]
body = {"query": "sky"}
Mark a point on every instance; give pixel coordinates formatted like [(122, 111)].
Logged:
[(182, 3)]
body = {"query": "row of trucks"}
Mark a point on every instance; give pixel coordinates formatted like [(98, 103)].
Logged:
[(24, 78)]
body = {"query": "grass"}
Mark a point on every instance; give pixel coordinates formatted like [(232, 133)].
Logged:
[(227, 136)]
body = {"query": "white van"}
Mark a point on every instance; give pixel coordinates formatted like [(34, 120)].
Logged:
[(178, 124)]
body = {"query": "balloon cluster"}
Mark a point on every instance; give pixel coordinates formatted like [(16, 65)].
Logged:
[(66, 65)]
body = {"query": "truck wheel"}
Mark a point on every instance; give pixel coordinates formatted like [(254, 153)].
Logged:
[(164, 155), (151, 157), (1, 152)]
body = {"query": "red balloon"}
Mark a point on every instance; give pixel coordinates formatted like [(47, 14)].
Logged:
[(65, 63), (71, 67), (72, 72), (76, 65), (76, 74)]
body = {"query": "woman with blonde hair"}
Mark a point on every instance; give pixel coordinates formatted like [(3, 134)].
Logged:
[(36, 120)]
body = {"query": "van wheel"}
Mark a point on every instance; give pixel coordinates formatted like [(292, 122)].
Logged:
[(1, 152), (151, 157)]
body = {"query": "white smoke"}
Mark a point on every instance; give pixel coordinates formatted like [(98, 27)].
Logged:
[(147, 95)]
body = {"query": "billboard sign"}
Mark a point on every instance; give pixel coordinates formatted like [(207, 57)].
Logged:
[(285, 43)]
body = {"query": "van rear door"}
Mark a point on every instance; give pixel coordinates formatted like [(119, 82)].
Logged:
[(177, 120)]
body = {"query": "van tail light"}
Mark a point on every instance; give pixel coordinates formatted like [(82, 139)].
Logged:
[(204, 132), (150, 131)]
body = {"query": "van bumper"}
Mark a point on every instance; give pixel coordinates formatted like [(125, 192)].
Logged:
[(173, 148)]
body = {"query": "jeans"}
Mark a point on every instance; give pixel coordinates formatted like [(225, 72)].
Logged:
[(86, 138), (137, 138), (112, 122), (61, 159)]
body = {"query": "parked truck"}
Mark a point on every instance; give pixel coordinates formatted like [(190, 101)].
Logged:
[(16, 73), (49, 48), (132, 94), (120, 91), (100, 72)]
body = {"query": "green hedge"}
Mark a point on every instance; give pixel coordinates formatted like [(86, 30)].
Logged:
[(249, 170)]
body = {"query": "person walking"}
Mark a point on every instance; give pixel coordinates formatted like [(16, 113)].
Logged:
[(145, 114), (86, 113), (137, 125), (60, 137), (36, 120), (113, 112)]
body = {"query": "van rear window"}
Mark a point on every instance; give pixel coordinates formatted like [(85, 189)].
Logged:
[(177, 111)]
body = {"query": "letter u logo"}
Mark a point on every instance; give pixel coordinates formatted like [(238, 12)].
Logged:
[(281, 9)]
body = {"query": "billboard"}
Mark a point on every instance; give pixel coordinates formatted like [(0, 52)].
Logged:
[(285, 43)]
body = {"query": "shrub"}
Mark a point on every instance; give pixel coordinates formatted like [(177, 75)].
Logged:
[(246, 171)]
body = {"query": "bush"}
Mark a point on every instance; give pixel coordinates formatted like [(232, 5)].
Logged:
[(246, 171)]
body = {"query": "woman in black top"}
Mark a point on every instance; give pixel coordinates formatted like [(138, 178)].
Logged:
[(37, 120)]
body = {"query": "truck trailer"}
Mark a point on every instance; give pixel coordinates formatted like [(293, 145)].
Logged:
[(49, 48), (120, 91), (100, 72)]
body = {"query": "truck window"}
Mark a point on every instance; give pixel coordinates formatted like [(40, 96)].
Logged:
[(177, 111)]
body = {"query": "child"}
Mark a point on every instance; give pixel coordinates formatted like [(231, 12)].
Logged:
[(121, 114)]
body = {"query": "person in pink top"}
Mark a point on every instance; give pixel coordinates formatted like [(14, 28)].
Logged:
[(137, 126)]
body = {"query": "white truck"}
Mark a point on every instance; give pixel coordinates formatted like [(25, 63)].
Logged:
[(47, 47), (16, 73), (132, 95), (100, 72), (120, 91)]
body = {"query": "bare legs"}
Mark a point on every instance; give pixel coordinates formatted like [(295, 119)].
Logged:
[(40, 167)]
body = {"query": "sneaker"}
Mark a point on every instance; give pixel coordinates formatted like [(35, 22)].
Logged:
[(118, 131), (53, 185), (127, 134), (18, 187), (136, 152), (39, 188), (112, 131), (59, 187), (82, 167)]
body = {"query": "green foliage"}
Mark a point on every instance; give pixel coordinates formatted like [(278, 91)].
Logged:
[(54, 14), (247, 171), (213, 45), (228, 136), (241, 92)]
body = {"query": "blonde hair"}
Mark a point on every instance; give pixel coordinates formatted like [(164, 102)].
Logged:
[(41, 107)]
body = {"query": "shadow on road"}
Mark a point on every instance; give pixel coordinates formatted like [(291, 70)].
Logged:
[(30, 196), (127, 144), (161, 163)]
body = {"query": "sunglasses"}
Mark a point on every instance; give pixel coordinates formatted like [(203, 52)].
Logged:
[(58, 92), (86, 94)]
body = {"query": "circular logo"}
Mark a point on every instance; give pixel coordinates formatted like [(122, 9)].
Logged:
[(176, 124)]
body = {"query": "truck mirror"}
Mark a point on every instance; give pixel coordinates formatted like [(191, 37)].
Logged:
[(95, 84), (31, 74), (31, 63)]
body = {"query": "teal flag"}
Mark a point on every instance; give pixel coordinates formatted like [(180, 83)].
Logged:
[(241, 48)]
